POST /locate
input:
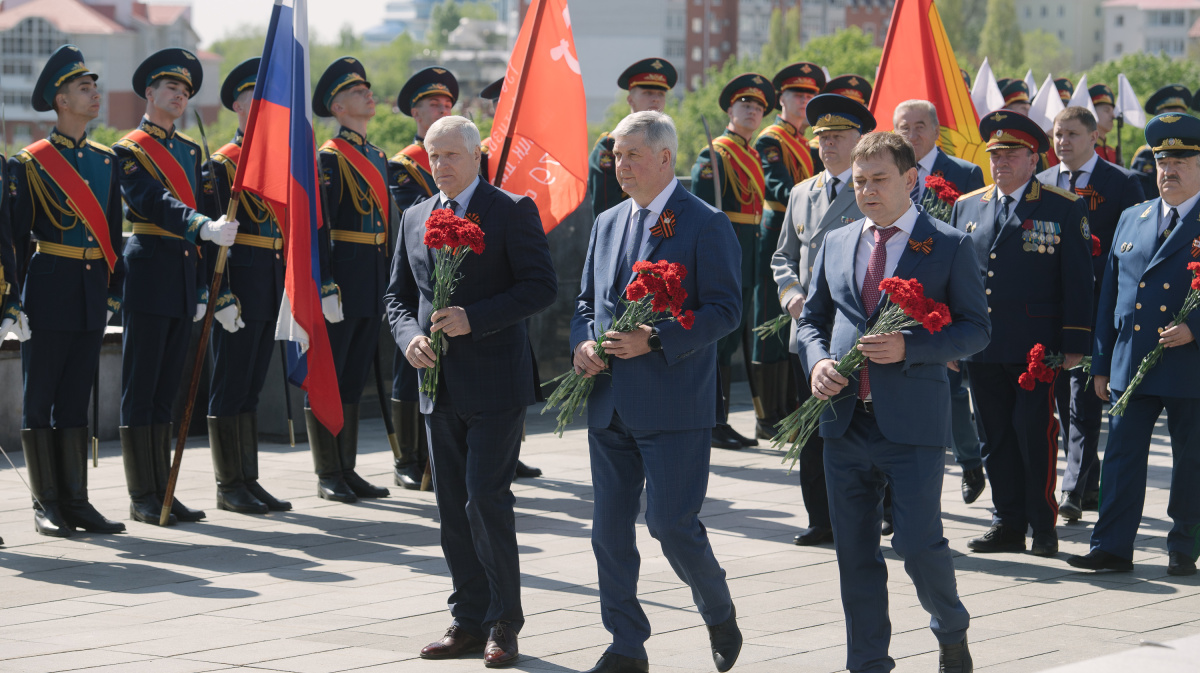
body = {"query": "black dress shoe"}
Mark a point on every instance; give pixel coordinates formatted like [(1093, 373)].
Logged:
[(1070, 508), (1179, 564), (239, 499), (955, 658), (973, 483), (742, 439), (814, 536), (408, 477), (273, 504), (184, 513), (362, 488), (148, 509), (335, 489), (723, 438), (618, 663), (999, 538), (765, 428), (726, 641), (501, 649), (1044, 544), (1098, 559), (82, 515), (526, 472), (48, 520), (453, 645), (1091, 501)]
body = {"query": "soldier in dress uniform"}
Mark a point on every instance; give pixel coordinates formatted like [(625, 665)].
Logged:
[(648, 82), (427, 96), (64, 192), (354, 267), (10, 294), (166, 285), (744, 99), (1034, 247), (1170, 98), (787, 159), (816, 207), (1105, 103), (1107, 190), (247, 309), (1146, 280), (490, 92), (1016, 95), (854, 87), (1066, 89)]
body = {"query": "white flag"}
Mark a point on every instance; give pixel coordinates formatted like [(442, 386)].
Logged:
[(1029, 82), (1128, 107), (1082, 98), (1046, 104), (986, 93)]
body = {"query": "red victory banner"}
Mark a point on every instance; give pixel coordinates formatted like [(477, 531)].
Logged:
[(540, 127)]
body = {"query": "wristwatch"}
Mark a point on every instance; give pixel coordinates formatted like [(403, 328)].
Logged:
[(654, 341)]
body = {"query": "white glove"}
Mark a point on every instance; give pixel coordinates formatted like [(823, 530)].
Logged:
[(229, 318), (109, 318), (222, 231), (331, 306), (19, 327), (200, 310)]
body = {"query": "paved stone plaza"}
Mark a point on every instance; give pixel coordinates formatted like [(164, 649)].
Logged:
[(332, 587)]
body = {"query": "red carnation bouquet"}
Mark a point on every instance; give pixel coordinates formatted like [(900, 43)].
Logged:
[(1190, 302), (452, 237), (940, 195), (1040, 367), (907, 306), (1096, 247), (655, 295)]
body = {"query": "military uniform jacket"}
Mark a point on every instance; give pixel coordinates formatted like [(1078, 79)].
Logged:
[(1037, 270), (1144, 166), (602, 177), (787, 160), (410, 179), (10, 290), (163, 276), (1144, 286), (255, 267), (742, 181), (67, 283), (354, 246)]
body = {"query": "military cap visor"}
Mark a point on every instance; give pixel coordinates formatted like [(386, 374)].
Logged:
[(803, 76), (64, 66), (239, 80), (342, 74), (171, 63), (431, 81), (854, 87), (1173, 135), (1006, 130), (835, 112), (492, 91), (649, 73), (748, 87), (1168, 98)]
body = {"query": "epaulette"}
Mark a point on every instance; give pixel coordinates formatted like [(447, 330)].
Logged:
[(126, 143), (1140, 149), (100, 148), (23, 156), (186, 138), (599, 141), (977, 191), (814, 144), (808, 180), (1071, 196)]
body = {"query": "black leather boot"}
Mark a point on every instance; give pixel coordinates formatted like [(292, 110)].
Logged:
[(410, 432), (72, 447), (232, 495), (163, 436), (248, 445), (331, 485), (38, 445), (726, 383), (347, 443), (137, 445)]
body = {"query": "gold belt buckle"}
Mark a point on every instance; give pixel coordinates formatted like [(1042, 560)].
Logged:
[(277, 243), (379, 238)]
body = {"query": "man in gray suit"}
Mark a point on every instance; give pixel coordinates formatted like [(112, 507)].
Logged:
[(816, 207)]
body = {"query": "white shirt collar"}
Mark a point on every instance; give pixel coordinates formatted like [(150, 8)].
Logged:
[(1183, 209), (463, 198), (928, 160), (1016, 196), (905, 223), (843, 177), (1088, 167), (659, 203)]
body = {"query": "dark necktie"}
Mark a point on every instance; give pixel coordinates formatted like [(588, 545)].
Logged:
[(833, 189), (1002, 214), (452, 205), (870, 289), (1074, 178), (633, 240), (1174, 219), (915, 194)]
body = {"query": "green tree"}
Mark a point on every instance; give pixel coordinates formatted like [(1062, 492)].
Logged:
[(777, 44), (1045, 53), (1146, 73), (1001, 40), (951, 12), (443, 19), (238, 45)]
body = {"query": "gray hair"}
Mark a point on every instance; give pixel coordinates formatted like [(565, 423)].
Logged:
[(658, 128), (455, 124), (917, 104)]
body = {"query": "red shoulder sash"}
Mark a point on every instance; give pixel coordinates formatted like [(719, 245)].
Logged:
[(364, 168), (168, 166), (80, 196)]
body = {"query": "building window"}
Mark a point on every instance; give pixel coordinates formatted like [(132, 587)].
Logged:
[(1117, 49), (676, 49), (1062, 11), (1119, 20), (1061, 36), (1028, 12), (697, 25), (1099, 36), (697, 54), (33, 36), (18, 99), (1045, 11), (714, 54), (24, 68)]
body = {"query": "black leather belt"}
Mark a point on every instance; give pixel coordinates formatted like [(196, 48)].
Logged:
[(865, 406)]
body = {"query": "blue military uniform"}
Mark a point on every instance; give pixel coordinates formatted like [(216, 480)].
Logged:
[(1146, 281), (354, 265), (1034, 248), (165, 281), (253, 281), (1170, 98)]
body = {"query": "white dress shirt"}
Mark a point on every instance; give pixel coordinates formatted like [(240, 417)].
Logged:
[(463, 198), (924, 170), (894, 246), (1164, 213), (843, 181), (1085, 175), (656, 207)]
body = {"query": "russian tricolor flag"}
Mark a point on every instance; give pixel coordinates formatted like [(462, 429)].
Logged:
[(279, 163)]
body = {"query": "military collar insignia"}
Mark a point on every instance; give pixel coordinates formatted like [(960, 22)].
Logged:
[(971, 227), (785, 125), (1035, 191), (63, 141), (740, 140), (665, 227), (155, 130), (352, 137), (1146, 212)]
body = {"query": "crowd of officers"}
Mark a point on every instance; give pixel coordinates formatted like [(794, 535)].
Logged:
[(67, 273)]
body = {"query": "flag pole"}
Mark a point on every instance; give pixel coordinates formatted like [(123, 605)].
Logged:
[(512, 119)]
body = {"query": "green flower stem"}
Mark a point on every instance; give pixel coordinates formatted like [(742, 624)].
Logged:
[(773, 326), (445, 280), (1152, 358)]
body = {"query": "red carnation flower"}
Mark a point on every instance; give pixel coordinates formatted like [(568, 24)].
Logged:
[(1026, 381), (1095, 246), (687, 319)]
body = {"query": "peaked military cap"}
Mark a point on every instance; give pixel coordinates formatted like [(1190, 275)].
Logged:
[(750, 86), (432, 81), (651, 73), (342, 74), (803, 76), (1101, 94), (1003, 82), (835, 112), (1065, 89), (492, 91), (1015, 91), (1006, 130), (241, 78), (854, 87), (1170, 96), (172, 63), (64, 66), (1174, 134)]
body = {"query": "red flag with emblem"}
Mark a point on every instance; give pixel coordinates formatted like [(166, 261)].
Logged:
[(540, 129)]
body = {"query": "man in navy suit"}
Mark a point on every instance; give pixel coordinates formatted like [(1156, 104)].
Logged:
[(649, 418), (1107, 190), (917, 121), (1145, 282), (890, 426), (1034, 248), (475, 420)]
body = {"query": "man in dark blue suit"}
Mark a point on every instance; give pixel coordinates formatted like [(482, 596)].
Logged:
[(891, 426), (475, 419), (917, 121), (1107, 190), (650, 421), (1034, 248), (1145, 282)]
